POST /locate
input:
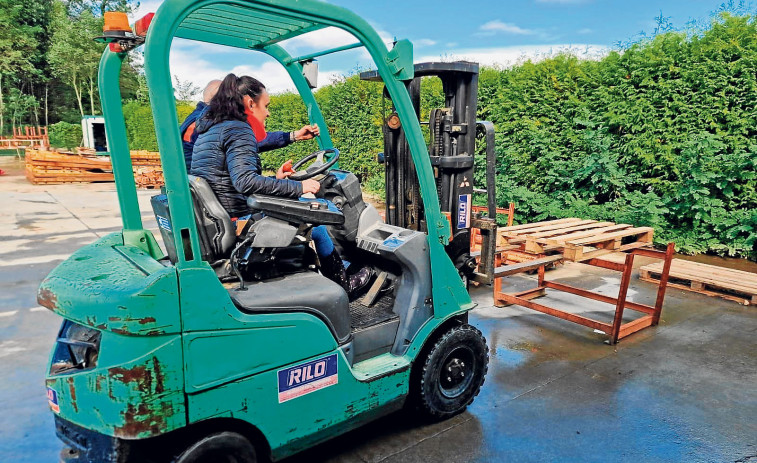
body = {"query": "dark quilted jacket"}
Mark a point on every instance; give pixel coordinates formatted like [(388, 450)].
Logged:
[(189, 145), (272, 141), (226, 155)]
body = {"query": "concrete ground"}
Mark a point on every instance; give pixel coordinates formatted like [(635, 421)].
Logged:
[(684, 391)]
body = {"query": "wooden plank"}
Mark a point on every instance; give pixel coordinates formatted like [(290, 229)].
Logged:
[(497, 251), (554, 229), (561, 240), (746, 288), (581, 253), (730, 297), (524, 266), (531, 225), (703, 272), (620, 234), (561, 231), (706, 270)]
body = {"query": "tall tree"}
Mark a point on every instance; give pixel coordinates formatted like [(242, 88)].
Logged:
[(184, 90), (73, 55), (18, 45), (98, 7)]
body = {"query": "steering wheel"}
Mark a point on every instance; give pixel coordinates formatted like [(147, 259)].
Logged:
[(316, 168)]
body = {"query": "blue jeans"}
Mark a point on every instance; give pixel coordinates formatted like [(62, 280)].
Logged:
[(323, 244)]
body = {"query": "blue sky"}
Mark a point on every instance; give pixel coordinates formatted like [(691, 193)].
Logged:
[(488, 31)]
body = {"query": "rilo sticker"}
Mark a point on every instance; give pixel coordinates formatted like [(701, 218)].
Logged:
[(52, 400), (303, 379), (463, 211)]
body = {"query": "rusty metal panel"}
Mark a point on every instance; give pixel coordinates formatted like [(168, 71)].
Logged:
[(109, 286), (140, 397)]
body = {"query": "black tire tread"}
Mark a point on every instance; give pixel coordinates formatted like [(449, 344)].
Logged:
[(422, 399), (233, 439)]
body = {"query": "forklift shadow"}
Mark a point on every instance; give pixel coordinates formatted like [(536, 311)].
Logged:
[(402, 436)]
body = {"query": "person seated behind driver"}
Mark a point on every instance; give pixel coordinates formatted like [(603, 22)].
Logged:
[(272, 140), (226, 155)]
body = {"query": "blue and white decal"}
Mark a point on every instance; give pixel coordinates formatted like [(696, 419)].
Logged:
[(164, 223), (52, 400), (463, 211), (393, 242), (303, 379)]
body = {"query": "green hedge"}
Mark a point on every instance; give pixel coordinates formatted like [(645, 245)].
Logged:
[(140, 129), (65, 135), (662, 134), (352, 109)]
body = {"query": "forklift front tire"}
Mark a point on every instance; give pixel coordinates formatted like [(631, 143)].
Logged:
[(222, 447), (453, 372)]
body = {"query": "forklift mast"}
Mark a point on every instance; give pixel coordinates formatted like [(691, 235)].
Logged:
[(452, 148)]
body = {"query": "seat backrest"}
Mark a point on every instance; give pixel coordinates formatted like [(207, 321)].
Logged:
[(214, 226)]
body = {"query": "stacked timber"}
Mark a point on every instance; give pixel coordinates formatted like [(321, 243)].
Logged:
[(48, 167), (711, 280), (148, 172), (86, 151)]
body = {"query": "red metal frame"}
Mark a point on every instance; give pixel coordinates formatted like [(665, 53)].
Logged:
[(475, 234), (26, 137), (617, 330)]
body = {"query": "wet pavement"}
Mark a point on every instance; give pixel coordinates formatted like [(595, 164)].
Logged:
[(684, 391)]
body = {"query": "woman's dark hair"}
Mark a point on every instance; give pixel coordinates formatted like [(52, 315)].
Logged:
[(228, 102)]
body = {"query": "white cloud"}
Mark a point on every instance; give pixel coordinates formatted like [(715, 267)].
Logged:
[(495, 26), (510, 56), (585, 30), (188, 65), (146, 6), (329, 37), (424, 43)]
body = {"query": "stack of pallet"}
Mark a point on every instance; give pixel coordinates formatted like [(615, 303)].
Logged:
[(734, 285), (48, 167), (577, 239), (148, 172)]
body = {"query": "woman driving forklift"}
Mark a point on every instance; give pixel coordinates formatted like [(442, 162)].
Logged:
[(226, 156)]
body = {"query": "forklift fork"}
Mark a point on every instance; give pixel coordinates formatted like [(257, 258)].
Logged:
[(487, 226)]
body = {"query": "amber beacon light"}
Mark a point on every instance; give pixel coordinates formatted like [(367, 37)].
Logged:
[(118, 33)]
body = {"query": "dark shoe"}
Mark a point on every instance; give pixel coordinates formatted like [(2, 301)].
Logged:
[(332, 268), (359, 280)]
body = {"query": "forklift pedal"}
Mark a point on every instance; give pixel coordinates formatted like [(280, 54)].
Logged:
[(370, 297)]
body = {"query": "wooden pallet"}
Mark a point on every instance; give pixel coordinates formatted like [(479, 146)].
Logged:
[(148, 177), (577, 239), (734, 285), (48, 168)]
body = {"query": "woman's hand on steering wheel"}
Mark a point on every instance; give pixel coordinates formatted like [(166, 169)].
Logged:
[(318, 167)]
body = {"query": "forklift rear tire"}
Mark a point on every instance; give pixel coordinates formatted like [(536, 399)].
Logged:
[(452, 374), (222, 447)]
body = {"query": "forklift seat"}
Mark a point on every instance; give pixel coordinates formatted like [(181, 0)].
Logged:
[(217, 234), (307, 292)]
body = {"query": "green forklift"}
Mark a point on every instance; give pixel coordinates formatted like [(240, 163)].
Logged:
[(235, 348)]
